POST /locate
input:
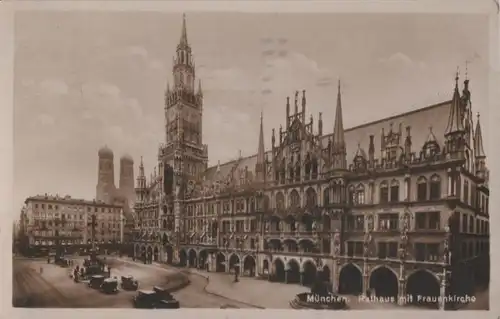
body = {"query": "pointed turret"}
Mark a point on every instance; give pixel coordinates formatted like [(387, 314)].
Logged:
[(260, 166), (339, 147), (183, 41), (200, 92), (480, 155), (455, 124), (141, 183), (320, 125), (287, 112), (478, 140), (455, 132)]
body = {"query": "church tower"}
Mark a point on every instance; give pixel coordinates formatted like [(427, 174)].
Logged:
[(184, 151), (184, 154), (126, 183), (105, 189)]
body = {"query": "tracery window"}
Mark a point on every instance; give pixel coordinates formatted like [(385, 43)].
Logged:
[(384, 193), (421, 188), (326, 196), (394, 191), (359, 194), (311, 197), (294, 199), (280, 201), (435, 187)]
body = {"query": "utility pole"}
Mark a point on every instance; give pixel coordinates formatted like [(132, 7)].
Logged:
[(93, 225)]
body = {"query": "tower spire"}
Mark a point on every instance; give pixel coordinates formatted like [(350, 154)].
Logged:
[(339, 148), (261, 159), (454, 120), (184, 41), (478, 139)]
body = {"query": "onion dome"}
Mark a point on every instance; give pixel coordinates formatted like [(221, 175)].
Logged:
[(127, 158), (105, 152)]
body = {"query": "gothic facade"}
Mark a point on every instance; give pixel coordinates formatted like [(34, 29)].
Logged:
[(397, 206)]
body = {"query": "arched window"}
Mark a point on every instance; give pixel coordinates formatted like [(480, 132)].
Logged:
[(326, 196), (421, 188), (435, 187), (359, 194), (384, 193), (294, 199), (308, 166), (314, 168), (297, 172), (466, 191), (280, 201), (394, 191), (351, 195), (311, 197)]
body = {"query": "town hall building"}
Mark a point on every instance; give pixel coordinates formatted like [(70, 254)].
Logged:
[(396, 206)]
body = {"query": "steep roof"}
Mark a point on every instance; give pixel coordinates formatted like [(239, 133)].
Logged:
[(435, 116)]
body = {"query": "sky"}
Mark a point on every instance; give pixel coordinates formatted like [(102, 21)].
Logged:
[(88, 79)]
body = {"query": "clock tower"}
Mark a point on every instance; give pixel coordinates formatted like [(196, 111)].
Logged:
[(183, 151)]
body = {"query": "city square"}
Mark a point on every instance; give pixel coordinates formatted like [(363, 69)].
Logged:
[(392, 213)]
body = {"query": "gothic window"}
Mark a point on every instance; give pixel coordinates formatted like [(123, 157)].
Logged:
[(297, 172), (394, 191), (282, 171), (311, 197), (435, 187), (467, 161), (308, 166), (326, 196), (352, 199), (384, 193), (314, 168), (294, 199), (421, 188), (466, 191), (431, 149), (280, 200), (359, 194)]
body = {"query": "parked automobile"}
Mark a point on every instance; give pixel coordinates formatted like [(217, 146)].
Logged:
[(150, 299), (109, 285), (96, 281), (129, 283), (166, 297)]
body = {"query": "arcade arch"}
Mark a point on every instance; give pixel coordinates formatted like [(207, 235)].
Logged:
[(384, 282), (350, 280), (425, 284)]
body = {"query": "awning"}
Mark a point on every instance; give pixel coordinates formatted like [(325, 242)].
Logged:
[(231, 236), (245, 237), (192, 235)]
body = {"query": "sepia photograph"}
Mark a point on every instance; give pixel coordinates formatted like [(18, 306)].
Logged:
[(257, 160)]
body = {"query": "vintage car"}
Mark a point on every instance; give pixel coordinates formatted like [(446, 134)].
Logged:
[(129, 283), (109, 285), (166, 297), (150, 299), (96, 281), (95, 269)]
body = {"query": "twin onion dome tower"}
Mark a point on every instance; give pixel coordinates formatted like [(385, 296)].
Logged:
[(106, 190)]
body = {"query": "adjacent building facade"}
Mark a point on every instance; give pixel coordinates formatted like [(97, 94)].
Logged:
[(398, 206), (52, 222)]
